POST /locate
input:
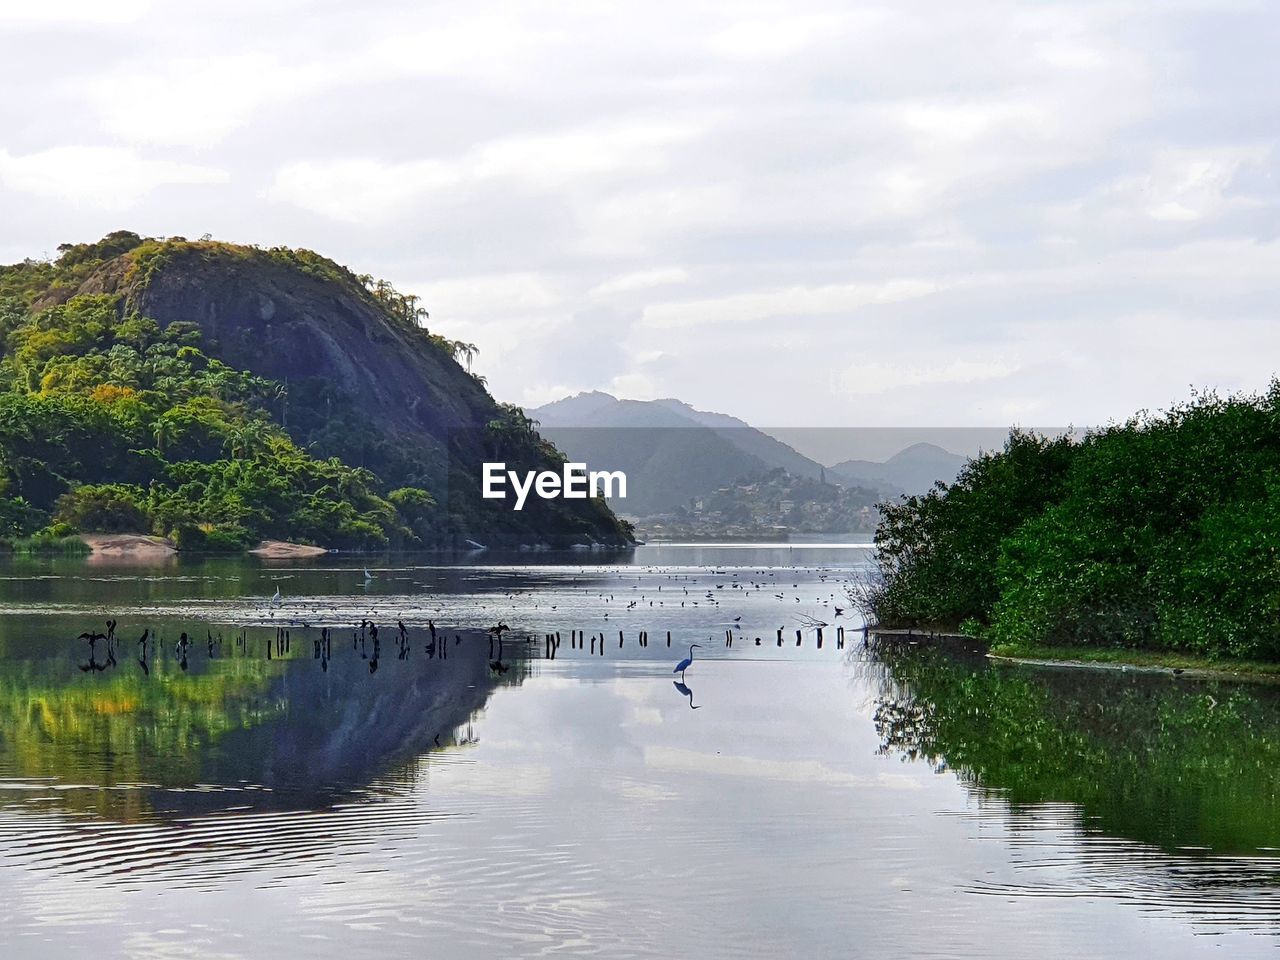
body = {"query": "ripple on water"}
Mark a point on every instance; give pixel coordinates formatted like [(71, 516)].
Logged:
[(1056, 855)]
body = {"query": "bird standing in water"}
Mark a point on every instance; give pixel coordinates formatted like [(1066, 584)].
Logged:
[(687, 662)]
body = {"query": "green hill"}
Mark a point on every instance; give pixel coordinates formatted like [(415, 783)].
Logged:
[(222, 394)]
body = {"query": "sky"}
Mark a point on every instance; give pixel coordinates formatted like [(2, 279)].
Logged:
[(804, 214)]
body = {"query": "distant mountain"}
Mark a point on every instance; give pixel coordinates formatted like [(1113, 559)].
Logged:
[(749, 440), (673, 454), (913, 470), (670, 452)]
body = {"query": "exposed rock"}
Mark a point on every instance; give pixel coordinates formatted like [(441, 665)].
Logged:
[(128, 545), (280, 550)]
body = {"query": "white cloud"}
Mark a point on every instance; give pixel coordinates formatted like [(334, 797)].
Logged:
[(108, 178), (196, 102), (1192, 185), (75, 11), (483, 47), (640, 280), (366, 189), (768, 39), (879, 214), (359, 190), (552, 159), (786, 302), (876, 377), (491, 295)]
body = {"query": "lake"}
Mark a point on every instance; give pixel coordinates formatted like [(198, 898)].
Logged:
[(250, 794)]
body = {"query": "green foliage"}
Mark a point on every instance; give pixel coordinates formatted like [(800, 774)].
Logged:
[(109, 422), (939, 550), (18, 518), (105, 508), (94, 391), (1163, 532)]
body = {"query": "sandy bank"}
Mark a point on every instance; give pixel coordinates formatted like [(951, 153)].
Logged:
[(282, 550)]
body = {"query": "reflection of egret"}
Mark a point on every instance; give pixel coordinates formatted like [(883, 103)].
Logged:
[(685, 691), (497, 665), (687, 662)]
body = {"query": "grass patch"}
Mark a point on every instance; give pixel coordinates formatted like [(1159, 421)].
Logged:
[(70, 546)]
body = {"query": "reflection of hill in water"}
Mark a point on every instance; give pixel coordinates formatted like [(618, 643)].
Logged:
[(1105, 781), (242, 766), (281, 733), (337, 730)]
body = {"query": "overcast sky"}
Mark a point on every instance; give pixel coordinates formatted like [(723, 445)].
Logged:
[(800, 213)]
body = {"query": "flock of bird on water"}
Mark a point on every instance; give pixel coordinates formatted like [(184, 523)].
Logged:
[(366, 640)]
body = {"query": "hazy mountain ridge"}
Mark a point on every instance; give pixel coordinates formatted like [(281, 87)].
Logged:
[(669, 457), (913, 470), (674, 454)]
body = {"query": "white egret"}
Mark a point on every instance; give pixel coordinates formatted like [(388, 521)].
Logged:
[(687, 662)]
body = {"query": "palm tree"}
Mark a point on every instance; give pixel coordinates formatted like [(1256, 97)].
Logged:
[(466, 350), (165, 432)]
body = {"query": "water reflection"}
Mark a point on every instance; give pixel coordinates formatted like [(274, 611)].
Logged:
[(481, 796), (684, 691), (273, 727), (1151, 788)]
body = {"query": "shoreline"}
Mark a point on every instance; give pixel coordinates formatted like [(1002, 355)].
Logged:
[(1124, 660), (1138, 661)]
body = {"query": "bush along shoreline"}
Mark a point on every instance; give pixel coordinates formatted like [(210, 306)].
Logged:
[(1157, 539)]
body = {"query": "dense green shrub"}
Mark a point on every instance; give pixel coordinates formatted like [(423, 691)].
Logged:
[(1161, 532), (939, 550), (105, 508)]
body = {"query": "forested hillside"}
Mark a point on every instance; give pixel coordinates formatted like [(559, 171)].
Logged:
[(221, 394)]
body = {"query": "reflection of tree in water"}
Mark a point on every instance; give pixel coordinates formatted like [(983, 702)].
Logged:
[(1169, 762)]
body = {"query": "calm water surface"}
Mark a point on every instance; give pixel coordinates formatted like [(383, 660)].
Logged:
[(883, 800)]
